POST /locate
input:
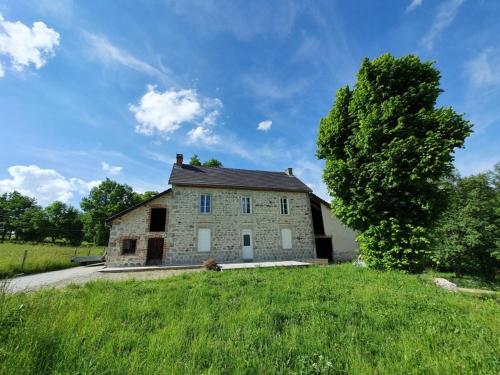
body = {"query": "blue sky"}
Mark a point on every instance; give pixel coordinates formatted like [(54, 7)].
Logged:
[(92, 89)]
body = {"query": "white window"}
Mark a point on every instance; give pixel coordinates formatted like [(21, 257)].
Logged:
[(286, 238), (246, 205), (204, 239), (205, 203), (284, 206)]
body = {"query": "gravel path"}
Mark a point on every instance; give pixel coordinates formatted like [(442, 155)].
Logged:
[(82, 275)]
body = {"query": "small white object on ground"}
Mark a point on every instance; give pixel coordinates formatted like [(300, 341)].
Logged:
[(359, 262), (445, 284)]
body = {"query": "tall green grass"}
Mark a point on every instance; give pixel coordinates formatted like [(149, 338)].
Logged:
[(40, 258), (319, 320)]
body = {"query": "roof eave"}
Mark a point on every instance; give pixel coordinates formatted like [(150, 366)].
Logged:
[(126, 211)]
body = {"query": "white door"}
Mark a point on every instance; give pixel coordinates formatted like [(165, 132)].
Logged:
[(247, 244)]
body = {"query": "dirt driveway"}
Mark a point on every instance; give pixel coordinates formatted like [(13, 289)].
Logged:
[(82, 275)]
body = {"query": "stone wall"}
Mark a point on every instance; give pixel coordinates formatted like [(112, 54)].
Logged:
[(226, 222), (134, 225)]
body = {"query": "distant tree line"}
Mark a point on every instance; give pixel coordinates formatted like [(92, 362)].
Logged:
[(22, 219)]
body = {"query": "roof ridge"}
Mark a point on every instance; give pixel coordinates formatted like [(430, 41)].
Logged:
[(236, 169)]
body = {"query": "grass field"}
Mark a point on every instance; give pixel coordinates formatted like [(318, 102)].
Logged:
[(318, 320), (466, 281), (40, 258)]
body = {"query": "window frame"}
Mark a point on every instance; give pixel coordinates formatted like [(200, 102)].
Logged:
[(203, 207), (284, 203), (243, 201), (128, 252)]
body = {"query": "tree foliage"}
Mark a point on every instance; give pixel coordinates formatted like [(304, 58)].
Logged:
[(195, 160), (386, 148), (467, 235), (104, 200), (147, 195), (64, 222), (24, 220), (212, 163)]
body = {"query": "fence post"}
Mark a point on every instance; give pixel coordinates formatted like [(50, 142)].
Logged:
[(89, 252), (24, 259), (75, 252)]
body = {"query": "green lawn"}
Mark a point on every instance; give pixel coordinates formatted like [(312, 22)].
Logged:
[(41, 257), (473, 282), (317, 320)]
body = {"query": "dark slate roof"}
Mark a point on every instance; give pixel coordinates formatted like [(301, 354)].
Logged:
[(190, 175), (121, 213), (318, 200)]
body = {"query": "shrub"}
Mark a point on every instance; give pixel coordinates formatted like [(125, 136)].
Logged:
[(211, 265)]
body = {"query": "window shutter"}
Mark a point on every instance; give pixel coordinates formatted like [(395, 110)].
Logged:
[(286, 238), (204, 239)]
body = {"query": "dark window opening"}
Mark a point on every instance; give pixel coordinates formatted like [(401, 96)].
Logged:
[(158, 220), (317, 217), (129, 246), (246, 240)]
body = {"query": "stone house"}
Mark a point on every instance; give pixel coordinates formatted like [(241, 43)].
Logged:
[(231, 215)]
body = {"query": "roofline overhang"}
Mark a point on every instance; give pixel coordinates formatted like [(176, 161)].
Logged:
[(319, 200), (126, 211)]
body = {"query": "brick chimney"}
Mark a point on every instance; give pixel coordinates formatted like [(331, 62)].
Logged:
[(289, 171), (179, 159)]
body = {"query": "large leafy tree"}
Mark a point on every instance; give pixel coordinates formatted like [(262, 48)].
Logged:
[(103, 201), (64, 222), (55, 213), (387, 147), (19, 207), (466, 238)]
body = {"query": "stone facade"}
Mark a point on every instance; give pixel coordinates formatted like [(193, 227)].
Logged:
[(226, 223)]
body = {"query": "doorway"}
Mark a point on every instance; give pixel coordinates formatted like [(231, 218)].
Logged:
[(155, 251), (324, 248), (247, 244)]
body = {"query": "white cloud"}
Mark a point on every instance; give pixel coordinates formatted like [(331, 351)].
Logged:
[(46, 185), (164, 112), (111, 169), (444, 17), (22, 45), (109, 54), (484, 69), (414, 4), (203, 135), (264, 125)]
